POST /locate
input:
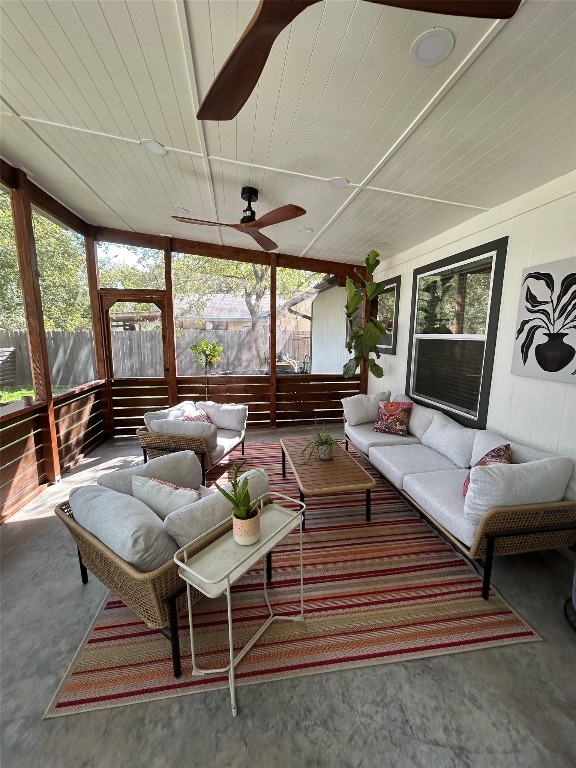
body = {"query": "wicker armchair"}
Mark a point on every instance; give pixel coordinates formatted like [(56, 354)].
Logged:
[(157, 597)]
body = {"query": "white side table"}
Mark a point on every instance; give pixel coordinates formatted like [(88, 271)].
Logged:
[(214, 569)]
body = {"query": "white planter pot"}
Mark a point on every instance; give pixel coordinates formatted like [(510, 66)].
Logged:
[(325, 452), (246, 531)]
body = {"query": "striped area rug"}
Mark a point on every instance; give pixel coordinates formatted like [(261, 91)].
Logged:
[(375, 593)]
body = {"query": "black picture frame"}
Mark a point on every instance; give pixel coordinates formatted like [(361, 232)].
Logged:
[(388, 347)]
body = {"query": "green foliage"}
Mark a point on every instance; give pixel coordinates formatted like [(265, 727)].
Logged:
[(364, 336), (322, 437), (208, 353), (239, 495), (432, 297)]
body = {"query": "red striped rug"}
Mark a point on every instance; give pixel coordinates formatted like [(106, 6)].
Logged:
[(378, 592)]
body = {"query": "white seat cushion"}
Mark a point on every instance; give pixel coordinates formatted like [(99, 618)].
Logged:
[(363, 437), (395, 462), (440, 495), (124, 524)]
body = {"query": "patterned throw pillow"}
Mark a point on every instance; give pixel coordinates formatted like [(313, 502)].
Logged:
[(499, 455), (393, 417), (198, 415)]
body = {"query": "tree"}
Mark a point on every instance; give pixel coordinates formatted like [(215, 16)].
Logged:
[(62, 273)]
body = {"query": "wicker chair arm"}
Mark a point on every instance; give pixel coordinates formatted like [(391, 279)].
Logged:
[(532, 522)]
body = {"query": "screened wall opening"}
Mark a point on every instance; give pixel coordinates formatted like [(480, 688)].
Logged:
[(129, 266), (455, 305)]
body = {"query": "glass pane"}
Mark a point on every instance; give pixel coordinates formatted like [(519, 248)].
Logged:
[(449, 372), (386, 308), (455, 300), (136, 331), (126, 266), (15, 371), (65, 303), (227, 302)]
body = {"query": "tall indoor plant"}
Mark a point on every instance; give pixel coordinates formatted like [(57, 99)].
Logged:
[(208, 353), (365, 333)]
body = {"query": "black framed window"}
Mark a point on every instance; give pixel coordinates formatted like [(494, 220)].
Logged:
[(388, 304), (455, 308)]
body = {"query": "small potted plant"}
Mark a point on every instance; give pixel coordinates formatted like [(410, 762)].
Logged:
[(245, 513), (208, 353), (322, 443)]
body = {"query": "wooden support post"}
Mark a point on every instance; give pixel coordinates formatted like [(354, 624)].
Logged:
[(273, 376), (29, 276), (102, 371), (168, 342)]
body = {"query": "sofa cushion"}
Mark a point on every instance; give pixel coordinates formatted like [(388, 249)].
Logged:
[(182, 469), (395, 462), (188, 429), (162, 497), (504, 485), (450, 439), (501, 454), (175, 412), (226, 416), (393, 418), (363, 437), (360, 409), (192, 521), (198, 415), (440, 495), (420, 419), (124, 524)]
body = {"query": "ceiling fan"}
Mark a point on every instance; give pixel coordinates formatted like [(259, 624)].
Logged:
[(250, 224), (241, 71)]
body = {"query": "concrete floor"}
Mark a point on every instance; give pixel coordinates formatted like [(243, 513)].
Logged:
[(510, 707)]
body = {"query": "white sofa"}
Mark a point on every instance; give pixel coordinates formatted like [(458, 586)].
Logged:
[(508, 508), (128, 526), (168, 431)]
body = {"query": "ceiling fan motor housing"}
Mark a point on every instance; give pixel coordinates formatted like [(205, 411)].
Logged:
[(250, 194)]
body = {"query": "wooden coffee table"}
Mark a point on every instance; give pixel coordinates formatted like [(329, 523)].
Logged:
[(324, 478)]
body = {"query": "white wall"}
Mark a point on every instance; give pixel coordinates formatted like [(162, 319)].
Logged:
[(329, 331), (541, 227)]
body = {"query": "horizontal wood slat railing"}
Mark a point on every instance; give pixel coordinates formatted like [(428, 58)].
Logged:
[(21, 459), (79, 419), (305, 399)]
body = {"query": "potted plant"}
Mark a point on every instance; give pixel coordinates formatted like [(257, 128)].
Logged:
[(208, 353), (322, 443), (245, 513), (364, 334)]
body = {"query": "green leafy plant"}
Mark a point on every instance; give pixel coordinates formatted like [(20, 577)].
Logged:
[(321, 438), (364, 334), (239, 495), (430, 319), (208, 353)]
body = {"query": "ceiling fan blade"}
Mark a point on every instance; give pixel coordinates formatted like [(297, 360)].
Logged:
[(242, 69), (278, 215), (481, 9), (262, 240), (186, 220)]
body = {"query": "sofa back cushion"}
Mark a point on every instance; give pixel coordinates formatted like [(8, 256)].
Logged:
[(124, 524), (194, 520), (188, 429), (226, 415), (505, 485), (162, 497), (360, 409), (450, 439), (420, 419), (175, 412), (182, 469)]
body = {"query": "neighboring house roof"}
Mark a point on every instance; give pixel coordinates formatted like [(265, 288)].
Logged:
[(221, 306)]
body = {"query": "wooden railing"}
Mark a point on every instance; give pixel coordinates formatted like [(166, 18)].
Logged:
[(79, 418)]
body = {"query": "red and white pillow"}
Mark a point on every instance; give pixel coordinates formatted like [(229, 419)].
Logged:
[(502, 454), (198, 415), (393, 417)]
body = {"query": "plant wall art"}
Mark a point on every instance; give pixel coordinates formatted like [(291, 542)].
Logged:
[(545, 345)]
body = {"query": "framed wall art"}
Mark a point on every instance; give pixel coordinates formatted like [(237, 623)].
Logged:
[(545, 343), (388, 304)]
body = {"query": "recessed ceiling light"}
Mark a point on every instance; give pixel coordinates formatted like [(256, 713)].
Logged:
[(338, 182), (153, 146), (432, 47), (177, 211)]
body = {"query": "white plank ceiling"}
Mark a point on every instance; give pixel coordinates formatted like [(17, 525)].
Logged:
[(424, 149)]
